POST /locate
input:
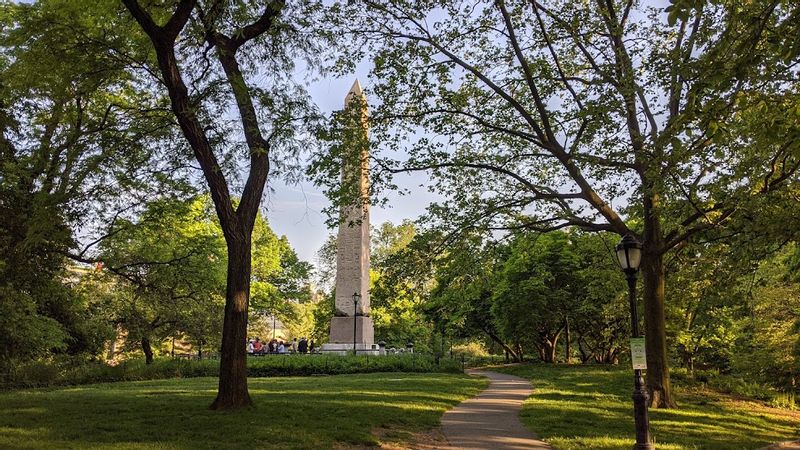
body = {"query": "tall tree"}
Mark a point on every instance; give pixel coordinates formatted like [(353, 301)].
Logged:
[(607, 116), (247, 38), (170, 269), (74, 147)]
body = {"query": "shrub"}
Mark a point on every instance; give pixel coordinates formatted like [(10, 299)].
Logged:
[(60, 373), (470, 350)]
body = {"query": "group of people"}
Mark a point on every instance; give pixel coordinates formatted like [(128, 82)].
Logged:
[(256, 347)]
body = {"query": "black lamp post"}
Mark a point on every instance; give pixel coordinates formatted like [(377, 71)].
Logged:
[(356, 296), (629, 255)]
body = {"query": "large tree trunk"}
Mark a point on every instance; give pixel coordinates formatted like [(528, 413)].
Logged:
[(232, 391), (549, 347), (148, 351), (653, 276)]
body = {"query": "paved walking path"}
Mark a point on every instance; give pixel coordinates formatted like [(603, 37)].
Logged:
[(491, 419)]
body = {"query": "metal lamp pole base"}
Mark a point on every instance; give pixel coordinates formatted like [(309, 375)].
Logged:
[(640, 418), (640, 396)]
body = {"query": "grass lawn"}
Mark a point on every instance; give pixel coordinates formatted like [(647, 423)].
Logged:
[(580, 407), (290, 413)]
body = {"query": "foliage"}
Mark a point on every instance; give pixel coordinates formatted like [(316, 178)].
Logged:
[(167, 273), (536, 291), (62, 372), (298, 365), (471, 349), (768, 348), (621, 117), (709, 303), (396, 293), (72, 141), (460, 302)]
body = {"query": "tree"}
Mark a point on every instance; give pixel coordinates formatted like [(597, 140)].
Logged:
[(168, 273), (534, 293), (182, 33), (398, 289), (767, 346), (460, 302), (558, 285), (555, 114), (170, 269), (72, 142), (601, 311)]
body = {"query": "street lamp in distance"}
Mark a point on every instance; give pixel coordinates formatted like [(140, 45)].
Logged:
[(629, 256), (356, 298)]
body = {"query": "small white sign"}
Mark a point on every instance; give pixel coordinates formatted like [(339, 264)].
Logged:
[(638, 356)]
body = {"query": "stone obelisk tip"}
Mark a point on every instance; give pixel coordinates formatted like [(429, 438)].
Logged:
[(354, 92)]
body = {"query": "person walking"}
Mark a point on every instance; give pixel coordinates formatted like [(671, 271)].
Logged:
[(302, 347)]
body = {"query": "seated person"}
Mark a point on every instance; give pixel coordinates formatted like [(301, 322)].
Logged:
[(258, 347), (281, 347)]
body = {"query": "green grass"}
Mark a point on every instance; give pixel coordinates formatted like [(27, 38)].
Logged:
[(580, 407), (290, 413)]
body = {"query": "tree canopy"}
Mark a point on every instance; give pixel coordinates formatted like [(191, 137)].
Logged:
[(617, 117)]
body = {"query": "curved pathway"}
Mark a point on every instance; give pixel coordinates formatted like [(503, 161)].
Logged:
[(491, 419)]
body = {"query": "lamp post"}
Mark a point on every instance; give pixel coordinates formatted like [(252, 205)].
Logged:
[(356, 296), (629, 255)]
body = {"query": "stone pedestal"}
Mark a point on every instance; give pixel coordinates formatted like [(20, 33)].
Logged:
[(347, 349), (342, 330)]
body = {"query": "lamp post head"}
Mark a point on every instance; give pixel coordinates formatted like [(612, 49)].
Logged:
[(356, 297), (629, 253)]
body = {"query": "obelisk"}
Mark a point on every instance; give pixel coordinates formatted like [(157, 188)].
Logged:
[(351, 326)]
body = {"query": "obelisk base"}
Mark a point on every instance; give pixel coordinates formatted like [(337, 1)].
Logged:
[(341, 337)]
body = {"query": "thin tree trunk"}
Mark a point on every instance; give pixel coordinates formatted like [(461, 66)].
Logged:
[(653, 277), (517, 356), (568, 350), (148, 351), (584, 356), (232, 391)]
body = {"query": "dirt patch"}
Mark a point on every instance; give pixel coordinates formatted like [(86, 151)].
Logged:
[(783, 446)]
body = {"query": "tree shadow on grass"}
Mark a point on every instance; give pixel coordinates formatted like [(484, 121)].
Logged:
[(299, 413), (591, 407)]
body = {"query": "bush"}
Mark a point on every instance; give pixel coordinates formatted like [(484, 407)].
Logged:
[(735, 385), (60, 373), (470, 350), (301, 365)]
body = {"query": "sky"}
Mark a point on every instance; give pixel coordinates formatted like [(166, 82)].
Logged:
[(296, 210)]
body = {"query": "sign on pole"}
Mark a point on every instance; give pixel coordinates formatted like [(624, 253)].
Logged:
[(638, 357)]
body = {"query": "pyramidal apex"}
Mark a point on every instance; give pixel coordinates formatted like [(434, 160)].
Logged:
[(354, 92)]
